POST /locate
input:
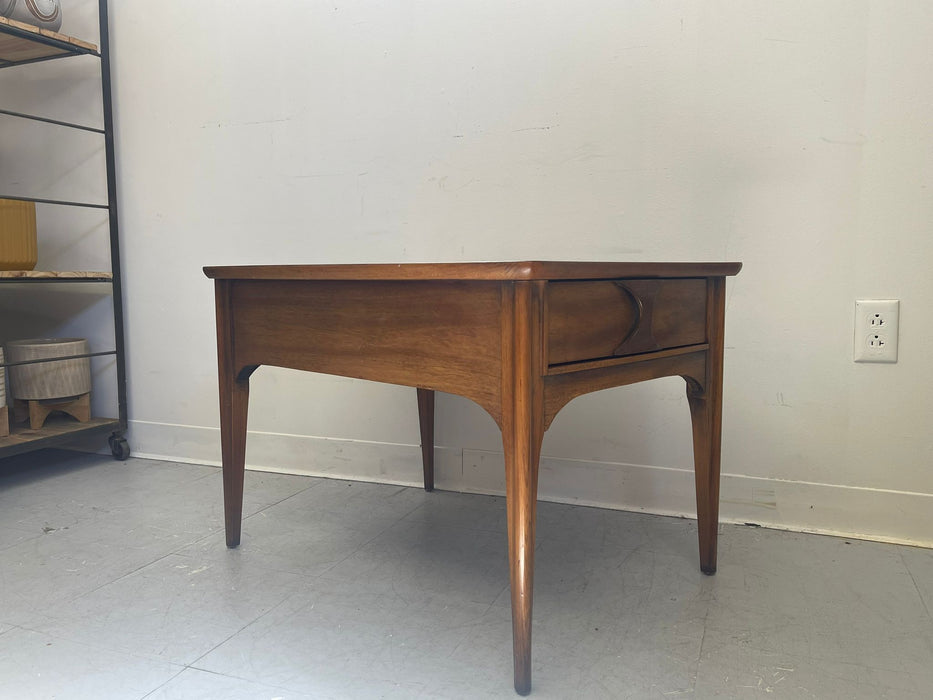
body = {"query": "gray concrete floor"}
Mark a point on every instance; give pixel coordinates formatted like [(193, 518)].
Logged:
[(115, 583)]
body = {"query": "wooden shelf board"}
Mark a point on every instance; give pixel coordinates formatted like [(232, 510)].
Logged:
[(30, 43), (57, 429), (55, 275)]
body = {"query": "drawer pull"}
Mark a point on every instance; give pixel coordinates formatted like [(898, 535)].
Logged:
[(639, 338)]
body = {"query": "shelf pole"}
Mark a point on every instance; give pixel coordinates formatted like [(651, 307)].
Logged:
[(62, 202), (46, 120), (107, 95), (58, 359)]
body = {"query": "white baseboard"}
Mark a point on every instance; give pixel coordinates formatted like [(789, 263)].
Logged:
[(846, 511)]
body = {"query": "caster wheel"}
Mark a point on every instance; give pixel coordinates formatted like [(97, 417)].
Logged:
[(120, 448)]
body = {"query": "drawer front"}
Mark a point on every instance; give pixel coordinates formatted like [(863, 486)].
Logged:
[(610, 318)]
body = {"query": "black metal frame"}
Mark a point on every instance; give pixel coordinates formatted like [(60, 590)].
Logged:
[(116, 427)]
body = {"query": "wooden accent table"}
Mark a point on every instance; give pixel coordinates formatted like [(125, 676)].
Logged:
[(520, 339)]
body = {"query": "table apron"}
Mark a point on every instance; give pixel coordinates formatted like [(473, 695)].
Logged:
[(443, 335)]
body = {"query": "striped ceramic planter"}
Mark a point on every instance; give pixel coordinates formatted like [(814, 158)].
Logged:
[(39, 13), (40, 381)]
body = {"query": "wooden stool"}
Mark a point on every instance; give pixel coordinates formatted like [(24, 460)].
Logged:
[(78, 407)]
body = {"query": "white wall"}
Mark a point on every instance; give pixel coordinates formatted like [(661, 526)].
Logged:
[(794, 136)]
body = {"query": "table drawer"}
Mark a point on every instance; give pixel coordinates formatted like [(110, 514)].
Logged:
[(609, 318)]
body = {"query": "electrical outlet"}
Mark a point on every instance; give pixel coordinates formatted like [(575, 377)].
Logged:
[(876, 330)]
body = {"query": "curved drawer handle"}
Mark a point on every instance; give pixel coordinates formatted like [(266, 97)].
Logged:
[(640, 338)]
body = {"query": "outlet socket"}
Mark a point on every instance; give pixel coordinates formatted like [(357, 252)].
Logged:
[(876, 330)]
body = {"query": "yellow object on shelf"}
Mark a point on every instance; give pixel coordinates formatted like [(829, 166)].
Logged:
[(18, 249)]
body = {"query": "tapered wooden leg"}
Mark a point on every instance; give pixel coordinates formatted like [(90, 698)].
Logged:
[(426, 421), (706, 451), (234, 402), (522, 454), (522, 434), (706, 415)]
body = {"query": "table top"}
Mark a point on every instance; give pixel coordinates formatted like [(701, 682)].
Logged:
[(529, 270)]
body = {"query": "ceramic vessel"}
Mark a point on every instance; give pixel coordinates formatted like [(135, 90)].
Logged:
[(39, 13), (48, 380), (18, 245)]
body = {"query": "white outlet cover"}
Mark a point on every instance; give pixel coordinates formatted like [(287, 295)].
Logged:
[(876, 330)]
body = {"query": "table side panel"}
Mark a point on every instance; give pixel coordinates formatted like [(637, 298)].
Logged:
[(434, 335)]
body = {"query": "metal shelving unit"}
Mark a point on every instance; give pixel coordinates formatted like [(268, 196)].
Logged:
[(22, 44)]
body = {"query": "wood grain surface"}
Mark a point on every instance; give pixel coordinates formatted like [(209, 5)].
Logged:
[(37, 412), (56, 430), (431, 334), (19, 48), (530, 270), (54, 275)]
